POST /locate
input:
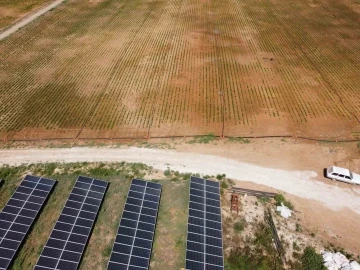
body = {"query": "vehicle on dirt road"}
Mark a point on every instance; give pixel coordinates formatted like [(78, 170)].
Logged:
[(343, 175)]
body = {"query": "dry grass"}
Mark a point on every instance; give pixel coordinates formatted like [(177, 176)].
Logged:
[(170, 240)]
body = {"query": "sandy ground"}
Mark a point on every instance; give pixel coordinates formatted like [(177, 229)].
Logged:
[(29, 19), (301, 183), (329, 209)]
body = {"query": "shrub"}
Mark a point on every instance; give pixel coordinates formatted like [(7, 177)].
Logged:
[(239, 226), (186, 176), (279, 198), (175, 179), (295, 246), (224, 185), (167, 173), (263, 200), (99, 172), (49, 168), (263, 237), (311, 260), (239, 140), (7, 171), (220, 176)]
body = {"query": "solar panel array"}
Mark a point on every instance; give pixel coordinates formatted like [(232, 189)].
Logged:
[(133, 243), (19, 214), (204, 247), (69, 237)]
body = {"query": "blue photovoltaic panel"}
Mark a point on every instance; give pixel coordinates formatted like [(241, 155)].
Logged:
[(69, 237), (133, 243), (204, 247), (19, 214)]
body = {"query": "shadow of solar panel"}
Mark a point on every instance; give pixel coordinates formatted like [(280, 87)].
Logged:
[(69, 237), (204, 248), (19, 214), (133, 243)]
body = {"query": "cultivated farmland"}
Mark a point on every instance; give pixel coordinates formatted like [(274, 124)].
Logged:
[(12, 10), (147, 68)]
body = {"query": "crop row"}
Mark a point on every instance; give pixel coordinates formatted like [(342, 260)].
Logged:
[(178, 64)]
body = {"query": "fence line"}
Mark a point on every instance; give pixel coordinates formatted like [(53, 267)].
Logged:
[(186, 136), (278, 244)]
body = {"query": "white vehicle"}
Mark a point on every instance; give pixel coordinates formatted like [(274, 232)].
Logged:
[(344, 175)]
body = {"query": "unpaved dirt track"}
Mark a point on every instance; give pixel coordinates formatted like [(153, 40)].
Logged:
[(29, 19), (299, 183)]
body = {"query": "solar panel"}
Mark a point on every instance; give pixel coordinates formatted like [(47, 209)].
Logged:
[(133, 243), (19, 214), (70, 234), (204, 245)]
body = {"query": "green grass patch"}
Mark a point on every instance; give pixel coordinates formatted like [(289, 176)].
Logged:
[(279, 198), (311, 260), (203, 139), (240, 225)]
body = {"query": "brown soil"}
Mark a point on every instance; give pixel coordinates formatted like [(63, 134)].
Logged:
[(120, 69)]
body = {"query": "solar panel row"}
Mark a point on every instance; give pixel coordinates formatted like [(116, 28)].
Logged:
[(133, 243), (69, 237), (204, 248), (19, 214)]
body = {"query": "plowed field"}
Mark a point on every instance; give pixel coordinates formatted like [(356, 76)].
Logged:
[(148, 68), (13, 10)]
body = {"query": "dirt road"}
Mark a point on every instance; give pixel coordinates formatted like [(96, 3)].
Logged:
[(299, 183), (29, 19)]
